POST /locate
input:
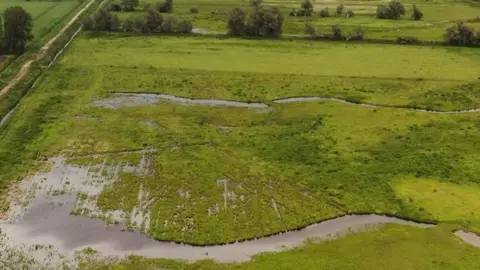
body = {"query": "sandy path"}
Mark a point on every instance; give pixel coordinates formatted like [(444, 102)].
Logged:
[(43, 51), (119, 100)]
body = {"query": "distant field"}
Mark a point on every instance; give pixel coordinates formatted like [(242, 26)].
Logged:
[(249, 70), (393, 247), (46, 14), (438, 15)]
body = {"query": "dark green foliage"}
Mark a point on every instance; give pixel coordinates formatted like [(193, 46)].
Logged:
[(129, 5), (173, 25), (18, 26), (417, 15), (339, 10), (193, 10), (324, 13), (114, 7), (103, 20), (337, 32), (393, 11), (165, 7), (153, 20), (462, 35), (349, 14), (357, 33), (310, 29), (236, 22), (265, 22), (307, 8), (256, 3)]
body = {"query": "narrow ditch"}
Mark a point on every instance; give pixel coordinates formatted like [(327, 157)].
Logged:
[(119, 100)]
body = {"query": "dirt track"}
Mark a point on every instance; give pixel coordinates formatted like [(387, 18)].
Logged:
[(43, 51)]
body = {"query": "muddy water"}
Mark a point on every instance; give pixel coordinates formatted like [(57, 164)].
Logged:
[(120, 100), (47, 221)]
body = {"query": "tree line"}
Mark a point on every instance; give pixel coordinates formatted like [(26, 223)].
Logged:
[(15, 30)]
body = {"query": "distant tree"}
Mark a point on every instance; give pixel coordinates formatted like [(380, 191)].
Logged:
[(396, 8), (129, 5), (153, 20), (236, 22), (193, 10), (337, 32), (339, 10), (128, 25), (357, 33), (104, 20), (307, 8), (17, 26), (256, 3), (265, 22), (349, 14), (324, 13), (417, 15), (165, 7), (140, 24), (460, 35), (383, 12), (178, 26)]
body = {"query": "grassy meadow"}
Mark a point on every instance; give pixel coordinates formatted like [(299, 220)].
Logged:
[(223, 174), (264, 70)]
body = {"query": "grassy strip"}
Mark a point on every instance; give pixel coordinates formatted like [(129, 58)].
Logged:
[(391, 247), (15, 94)]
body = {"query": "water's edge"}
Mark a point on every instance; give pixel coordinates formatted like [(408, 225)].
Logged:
[(127, 99)]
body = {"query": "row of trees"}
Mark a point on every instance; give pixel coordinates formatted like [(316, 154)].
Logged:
[(462, 35), (259, 22), (151, 21), (394, 10), (15, 30), (131, 5)]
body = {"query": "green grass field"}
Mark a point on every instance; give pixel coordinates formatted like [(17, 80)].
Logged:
[(392, 247), (308, 159)]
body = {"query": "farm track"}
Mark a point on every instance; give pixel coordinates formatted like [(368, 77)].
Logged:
[(43, 51), (121, 99)]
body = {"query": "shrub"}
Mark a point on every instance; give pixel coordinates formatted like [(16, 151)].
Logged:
[(236, 22), (193, 10), (324, 13), (129, 5), (349, 14), (337, 32), (102, 20), (407, 40), (393, 11), (256, 3), (265, 22), (307, 8), (339, 10), (153, 21), (417, 14), (114, 7), (128, 25), (165, 7), (357, 33), (173, 25), (18, 24), (461, 35)]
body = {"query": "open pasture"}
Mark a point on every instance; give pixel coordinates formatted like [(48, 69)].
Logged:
[(221, 173)]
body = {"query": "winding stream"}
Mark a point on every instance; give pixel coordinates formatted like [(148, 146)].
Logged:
[(119, 100)]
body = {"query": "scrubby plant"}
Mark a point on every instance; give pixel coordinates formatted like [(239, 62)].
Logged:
[(337, 32), (349, 14), (309, 29), (407, 40), (102, 20), (324, 13), (193, 10), (265, 22), (307, 8), (339, 10), (393, 11), (462, 35), (357, 33), (165, 7), (236, 22), (256, 3), (129, 5), (417, 15), (153, 20)]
